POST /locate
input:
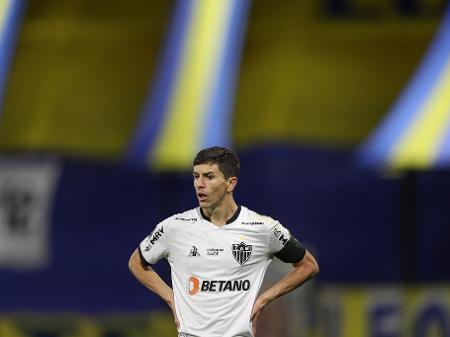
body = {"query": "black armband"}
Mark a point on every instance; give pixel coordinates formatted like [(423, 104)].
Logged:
[(292, 252)]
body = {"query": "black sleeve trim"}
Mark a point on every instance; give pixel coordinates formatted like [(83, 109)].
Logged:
[(143, 260), (292, 252)]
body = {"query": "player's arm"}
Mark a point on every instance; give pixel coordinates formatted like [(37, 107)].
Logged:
[(150, 279), (305, 268)]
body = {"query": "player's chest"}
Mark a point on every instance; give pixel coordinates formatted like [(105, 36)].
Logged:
[(201, 248)]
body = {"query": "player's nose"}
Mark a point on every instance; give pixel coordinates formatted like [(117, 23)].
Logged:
[(199, 183)]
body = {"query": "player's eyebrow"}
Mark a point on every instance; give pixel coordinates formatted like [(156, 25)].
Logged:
[(208, 173), (204, 173)]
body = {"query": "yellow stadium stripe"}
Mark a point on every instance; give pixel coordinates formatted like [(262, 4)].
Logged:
[(4, 5), (419, 146), (354, 320), (182, 131)]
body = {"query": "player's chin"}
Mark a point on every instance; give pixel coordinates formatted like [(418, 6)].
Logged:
[(203, 203)]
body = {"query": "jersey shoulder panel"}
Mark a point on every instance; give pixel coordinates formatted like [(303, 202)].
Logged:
[(158, 244), (278, 235), (190, 216), (252, 217)]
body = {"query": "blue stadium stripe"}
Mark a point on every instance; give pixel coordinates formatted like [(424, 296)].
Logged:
[(376, 150), (8, 36), (159, 97), (217, 126), (443, 153)]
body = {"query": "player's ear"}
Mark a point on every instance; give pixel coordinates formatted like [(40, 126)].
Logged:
[(232, 182)]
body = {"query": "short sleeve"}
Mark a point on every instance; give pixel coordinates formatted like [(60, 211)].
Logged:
[(278, 237), (155, 246)]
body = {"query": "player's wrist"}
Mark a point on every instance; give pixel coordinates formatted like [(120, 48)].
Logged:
[(170, 301), (265, 299)]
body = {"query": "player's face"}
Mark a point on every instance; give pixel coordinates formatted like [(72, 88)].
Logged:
[(210, 185)]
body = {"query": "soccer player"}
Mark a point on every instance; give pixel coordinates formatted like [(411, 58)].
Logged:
[(218, 254)]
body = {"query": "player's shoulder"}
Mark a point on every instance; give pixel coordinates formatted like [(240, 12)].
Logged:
[(187, 217), (177, 220), (250, 217)]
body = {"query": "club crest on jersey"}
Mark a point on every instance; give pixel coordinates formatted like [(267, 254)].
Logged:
[(241, 252)]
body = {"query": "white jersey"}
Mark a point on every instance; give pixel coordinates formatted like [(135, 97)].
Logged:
[(216, 271)]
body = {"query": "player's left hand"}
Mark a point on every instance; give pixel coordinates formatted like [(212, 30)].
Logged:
[(256, 312)]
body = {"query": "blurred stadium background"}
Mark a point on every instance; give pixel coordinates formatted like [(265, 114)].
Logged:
[(339, 110)]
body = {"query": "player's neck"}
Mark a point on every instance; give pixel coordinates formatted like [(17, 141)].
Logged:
[(220, 214)]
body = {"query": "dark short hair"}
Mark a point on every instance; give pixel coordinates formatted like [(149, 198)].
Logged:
[(226, 160)]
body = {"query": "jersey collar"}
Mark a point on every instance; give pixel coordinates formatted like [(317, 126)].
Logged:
[(230, 220)]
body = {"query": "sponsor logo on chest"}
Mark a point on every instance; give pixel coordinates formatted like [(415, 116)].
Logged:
[(214, 251), (214, 286), (194, 251)]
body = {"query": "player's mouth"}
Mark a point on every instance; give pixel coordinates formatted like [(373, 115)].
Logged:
[(201, 196)]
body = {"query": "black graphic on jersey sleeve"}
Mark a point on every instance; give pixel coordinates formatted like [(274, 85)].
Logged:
[(278, 237), (155, 246)]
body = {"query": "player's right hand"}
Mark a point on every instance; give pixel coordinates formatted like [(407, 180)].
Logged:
[(175, 318)]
